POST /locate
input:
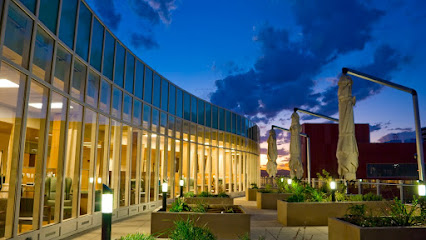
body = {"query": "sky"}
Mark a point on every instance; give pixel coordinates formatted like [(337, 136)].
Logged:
[(262, 58)]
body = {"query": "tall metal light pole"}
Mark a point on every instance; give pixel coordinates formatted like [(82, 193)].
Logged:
[(107, 206), (308, 150), (419, 140), (316, 114)]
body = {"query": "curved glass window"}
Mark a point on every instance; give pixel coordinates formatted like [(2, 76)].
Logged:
[(48, 13), (193, 109), (156, 91), (221, 119), (146, 116), (119, 65), (127, 108), (62, 69), (164, 94), (147, 91), (200, 112), (67, 24), (117, 96), (43, 52), (130, 72), (96, 48), (18, 36), (78, 80), (108, 55), (215, 115), (30, 4), (186, 106), (172, 99), (139, 79), (137, 112), (83, 32), (105, 98), (179, 103), (92, 89), (208, 115)]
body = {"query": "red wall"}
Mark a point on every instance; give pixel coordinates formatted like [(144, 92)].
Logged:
[(324, 143)]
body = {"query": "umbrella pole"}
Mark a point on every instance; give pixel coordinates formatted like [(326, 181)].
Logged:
[(308, 158)]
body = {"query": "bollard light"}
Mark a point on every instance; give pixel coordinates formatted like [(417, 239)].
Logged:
[(181, 182), (422, 190), (90, 180), (289, 181), (99, 180), (333, 185), (107, 206), (164, 187), (282, 179)]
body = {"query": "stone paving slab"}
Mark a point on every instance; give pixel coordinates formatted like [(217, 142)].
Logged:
[(264, 225)]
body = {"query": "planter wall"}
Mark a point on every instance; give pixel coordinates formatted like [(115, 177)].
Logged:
[(317, 213), (223, 226), (269, 200), (210, 200), (339, 229), (251, 194)]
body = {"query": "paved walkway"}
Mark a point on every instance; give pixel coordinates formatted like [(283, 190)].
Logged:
[(263, 224)]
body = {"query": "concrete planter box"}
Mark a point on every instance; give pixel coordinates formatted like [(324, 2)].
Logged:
[(269, 200), (339, 229), (210, 200), (251, 194), (222, 225), (317, 213)]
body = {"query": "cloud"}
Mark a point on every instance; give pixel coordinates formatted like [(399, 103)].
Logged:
[(379, 126), (403, 136), (154, 10), (108, 12), (139, 40), (282, 78)]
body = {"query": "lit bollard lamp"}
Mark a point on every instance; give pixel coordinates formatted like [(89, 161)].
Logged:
[(107, 204), (181, 182), (289, 181), (422, 189), (164, 187), (333, 191)]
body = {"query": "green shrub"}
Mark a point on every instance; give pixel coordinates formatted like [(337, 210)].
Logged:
[(316, 196), (228, 209), (296, 198), (356, 198), (186, 230), (401, 216), (200, 207), (137, 236), (223, 195), (179, 205), (371, 197), (204, 194), (189, 194)]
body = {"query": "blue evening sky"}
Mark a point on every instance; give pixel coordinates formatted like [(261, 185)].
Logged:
[(261, 58)]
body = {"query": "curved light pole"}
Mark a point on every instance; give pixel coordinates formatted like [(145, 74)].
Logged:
[(419, 140), (308, 150)]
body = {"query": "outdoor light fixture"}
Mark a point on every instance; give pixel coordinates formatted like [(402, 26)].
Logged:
[(99, 180), (107, 205), (422, 190), (282, 179), (164, 187), (333, 191), (289, 181), (91, 180), (181, 182)]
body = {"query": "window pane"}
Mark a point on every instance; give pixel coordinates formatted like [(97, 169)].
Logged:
[(43, 51), (137, 112), (146, 116), (193, 109), (124, 166), (135, 159), (87, 168), (18, 36), (130, 69), (78, 80), (108, 55), (171, 126), (147, 91), (114, 154), (187, 106), (163, 122), (164, 94), (228, 121), (215, 116), (62, 69), (48, 13), (119, 65), (157, 91), (92, 89), (208, 115), (55, 155), (83, 32), (11, 107), (155, 119), (222, 119), (139, 79), (30, 4), (172, 100), (117, 94), (179, 103), (67, 25), (200, 112), (102, 159), (96, 48), (105, 98), (127, 108)]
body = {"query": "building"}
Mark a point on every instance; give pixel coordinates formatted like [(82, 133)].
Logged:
[(79, 110), (376, 160)]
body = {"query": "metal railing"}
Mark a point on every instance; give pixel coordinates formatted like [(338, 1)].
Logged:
[(405, 190)]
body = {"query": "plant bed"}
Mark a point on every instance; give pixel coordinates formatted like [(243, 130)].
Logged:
[(339, 229), (251, 194), (317, 213), (210, 200), (222, 224), (268, 200)]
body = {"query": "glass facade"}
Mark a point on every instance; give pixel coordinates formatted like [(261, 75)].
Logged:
[(79, 110)]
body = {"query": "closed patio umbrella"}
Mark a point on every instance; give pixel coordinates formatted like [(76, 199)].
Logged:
[(347, 149), (295, 164), (271, 166)]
